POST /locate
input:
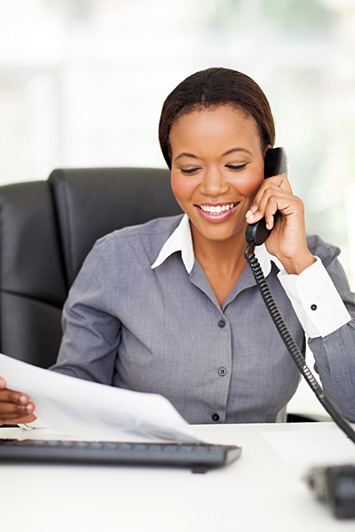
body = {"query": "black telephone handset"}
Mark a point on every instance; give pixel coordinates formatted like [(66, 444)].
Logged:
[(275, 163)]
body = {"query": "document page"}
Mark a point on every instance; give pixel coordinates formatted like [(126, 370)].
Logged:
[(82, 408), (312, 447)]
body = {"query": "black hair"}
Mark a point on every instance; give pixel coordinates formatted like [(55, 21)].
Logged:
[(214, 87)]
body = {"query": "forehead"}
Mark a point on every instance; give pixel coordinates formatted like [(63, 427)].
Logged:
[(223, 125)]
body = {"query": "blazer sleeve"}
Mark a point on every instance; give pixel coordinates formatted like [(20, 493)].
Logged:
[(334, 353), (89, 346)]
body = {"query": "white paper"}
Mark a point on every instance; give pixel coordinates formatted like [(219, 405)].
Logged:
[(82, 408), (312, 447)]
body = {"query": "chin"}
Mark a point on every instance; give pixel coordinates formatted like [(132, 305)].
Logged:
[(221, 235)]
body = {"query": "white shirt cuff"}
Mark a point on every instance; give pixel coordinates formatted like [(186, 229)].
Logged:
[(36, 424), (315, 300)]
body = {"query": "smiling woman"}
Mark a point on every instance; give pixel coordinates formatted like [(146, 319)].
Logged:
[(210, 178), (170, 306), (215, 187)]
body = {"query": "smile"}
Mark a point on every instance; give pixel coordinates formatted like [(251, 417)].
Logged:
[(217, 213), (217, 210)]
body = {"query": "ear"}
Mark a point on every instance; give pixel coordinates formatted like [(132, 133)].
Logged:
[(268, 147)]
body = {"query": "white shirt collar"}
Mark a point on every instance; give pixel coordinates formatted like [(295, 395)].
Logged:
[(181, 240)]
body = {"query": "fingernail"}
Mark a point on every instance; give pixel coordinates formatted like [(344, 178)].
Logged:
[(29, 408), (23, 399)]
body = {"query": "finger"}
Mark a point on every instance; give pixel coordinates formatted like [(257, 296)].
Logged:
[(17, 420), (12, 409), (273, 194), (281, 181), (2, 383), (272, 202), (265, 204), (273, 186), (270, 215), (278, 184), (12, 396)]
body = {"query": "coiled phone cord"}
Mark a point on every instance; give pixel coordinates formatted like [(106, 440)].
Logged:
[(292, 347)]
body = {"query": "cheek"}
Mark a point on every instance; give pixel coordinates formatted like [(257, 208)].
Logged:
[(249, 185), (181, 187)]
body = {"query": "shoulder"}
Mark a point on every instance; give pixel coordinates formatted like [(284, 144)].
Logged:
[(325, 251), (149, 236), (130, 249)]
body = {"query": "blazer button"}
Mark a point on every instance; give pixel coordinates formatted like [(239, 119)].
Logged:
[(222, 372), (221, 324), (215, 417)]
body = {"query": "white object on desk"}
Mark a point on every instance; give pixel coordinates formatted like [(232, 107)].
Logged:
[(316, 447)]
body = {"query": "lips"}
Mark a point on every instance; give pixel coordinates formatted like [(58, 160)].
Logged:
[(216, 212)]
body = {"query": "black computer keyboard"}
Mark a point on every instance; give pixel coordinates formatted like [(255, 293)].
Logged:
[(200, 457)]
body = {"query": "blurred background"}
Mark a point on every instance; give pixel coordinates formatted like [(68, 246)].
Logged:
[(82, 83)]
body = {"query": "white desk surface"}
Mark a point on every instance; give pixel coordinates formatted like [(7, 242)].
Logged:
[(260, 492)]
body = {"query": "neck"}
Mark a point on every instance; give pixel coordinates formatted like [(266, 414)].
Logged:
[(225, 256)]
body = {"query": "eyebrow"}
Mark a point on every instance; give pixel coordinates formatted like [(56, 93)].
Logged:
[(236, 150), (184, 154), (233, 150)]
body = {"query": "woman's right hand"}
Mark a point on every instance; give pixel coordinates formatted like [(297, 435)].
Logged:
[(15, 407)]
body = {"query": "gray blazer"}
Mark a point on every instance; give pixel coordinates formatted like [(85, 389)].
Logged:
[(162, 330)]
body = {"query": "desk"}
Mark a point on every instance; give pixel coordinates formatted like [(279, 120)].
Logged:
[(260, 492)]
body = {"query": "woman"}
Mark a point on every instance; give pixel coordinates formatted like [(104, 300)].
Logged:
[(171, 306)]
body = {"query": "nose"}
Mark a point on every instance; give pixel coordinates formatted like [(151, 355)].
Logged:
[(213, 183)]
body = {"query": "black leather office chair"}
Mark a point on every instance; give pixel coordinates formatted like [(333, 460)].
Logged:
[(46, 230)]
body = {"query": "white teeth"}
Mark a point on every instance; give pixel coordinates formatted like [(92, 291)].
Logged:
[(218, 209)]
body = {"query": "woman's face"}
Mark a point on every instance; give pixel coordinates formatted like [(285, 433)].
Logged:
[(217, 168)]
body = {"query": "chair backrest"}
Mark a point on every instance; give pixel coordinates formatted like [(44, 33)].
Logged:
[(46, 230)]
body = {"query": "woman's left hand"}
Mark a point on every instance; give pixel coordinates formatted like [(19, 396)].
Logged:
[(287, 241)]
